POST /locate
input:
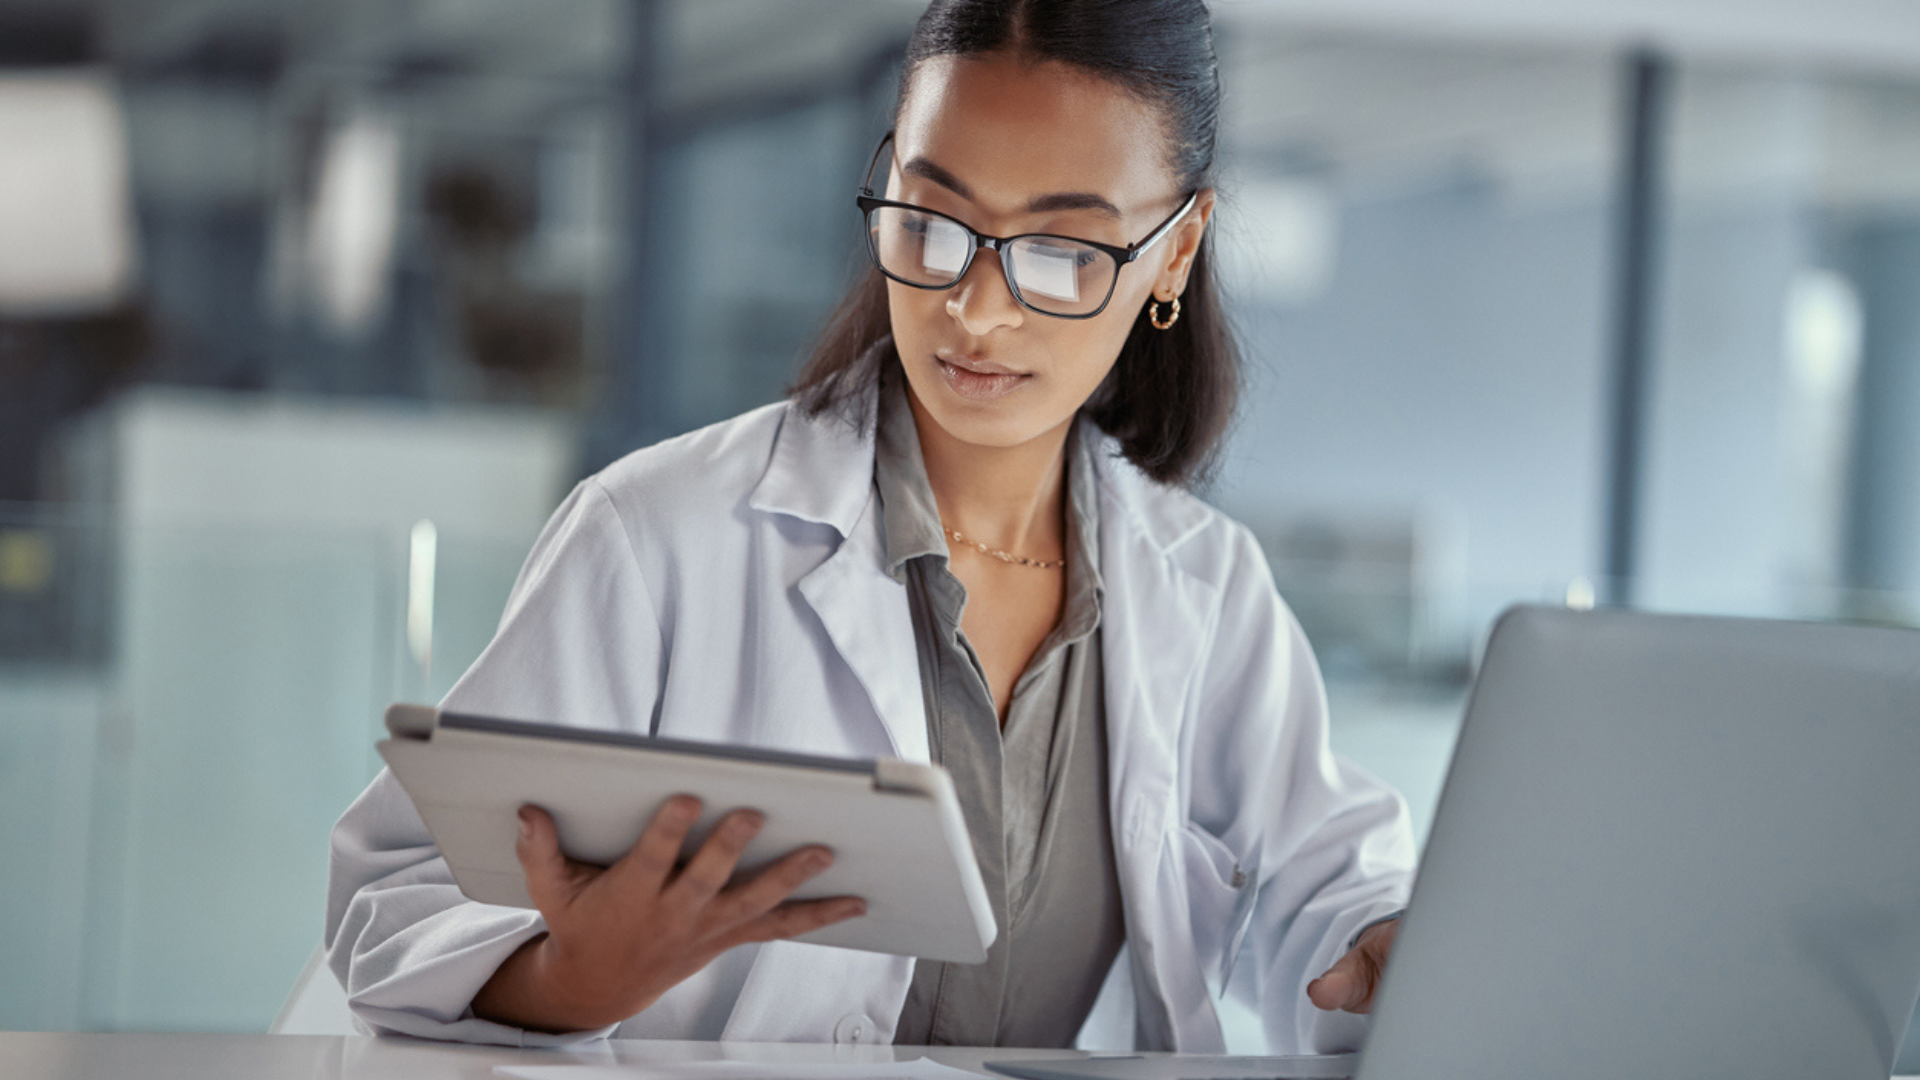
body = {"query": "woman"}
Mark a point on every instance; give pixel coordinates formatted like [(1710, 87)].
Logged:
[(965, 538)]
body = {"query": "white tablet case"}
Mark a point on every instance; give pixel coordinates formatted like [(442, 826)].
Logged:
[(895, 827)]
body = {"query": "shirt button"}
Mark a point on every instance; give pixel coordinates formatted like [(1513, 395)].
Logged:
[(854, 1028)]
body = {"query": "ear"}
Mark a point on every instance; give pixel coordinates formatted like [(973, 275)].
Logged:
[(1183, 244)]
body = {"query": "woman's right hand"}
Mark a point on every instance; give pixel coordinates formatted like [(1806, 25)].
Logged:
[(619, 938)]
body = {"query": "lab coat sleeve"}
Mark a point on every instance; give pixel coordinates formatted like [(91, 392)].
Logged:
[(579, 643), (1327, 846)]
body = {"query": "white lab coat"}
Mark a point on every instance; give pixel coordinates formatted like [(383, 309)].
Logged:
[(728, 585)]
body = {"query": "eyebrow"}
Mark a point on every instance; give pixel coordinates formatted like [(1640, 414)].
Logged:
[(1039, 204)]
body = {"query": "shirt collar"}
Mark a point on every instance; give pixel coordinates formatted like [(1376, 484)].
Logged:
[(910, 516), (1085, 592)]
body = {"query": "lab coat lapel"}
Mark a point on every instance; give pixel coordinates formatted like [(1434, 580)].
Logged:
[(821, 470), (1154, 622), (866, 615)]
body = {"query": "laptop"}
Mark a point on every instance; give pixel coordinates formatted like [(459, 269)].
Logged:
[(1668, 846)]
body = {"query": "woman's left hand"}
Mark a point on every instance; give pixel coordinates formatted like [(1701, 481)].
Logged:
[(1349, 985)]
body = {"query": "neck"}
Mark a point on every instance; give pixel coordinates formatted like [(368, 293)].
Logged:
[(1011, 497)]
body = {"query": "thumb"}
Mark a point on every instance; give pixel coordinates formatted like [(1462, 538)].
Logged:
[(1346, 985), (549, 881)]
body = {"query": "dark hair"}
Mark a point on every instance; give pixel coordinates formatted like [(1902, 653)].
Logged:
[(1171, 393)]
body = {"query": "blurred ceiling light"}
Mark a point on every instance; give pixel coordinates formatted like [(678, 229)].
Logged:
[(1280, 240), (1824, 333), (423, 557), (352, 224), (66, 220), (1581, 595)]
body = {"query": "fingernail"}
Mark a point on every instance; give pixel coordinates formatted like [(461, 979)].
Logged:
[(853, 909), (526, 823), (818, 861), (749, 823)]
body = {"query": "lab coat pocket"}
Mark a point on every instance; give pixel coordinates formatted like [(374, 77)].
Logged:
[(1221, 888)]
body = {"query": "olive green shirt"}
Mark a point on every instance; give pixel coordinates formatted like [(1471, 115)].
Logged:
[(1034, 796)]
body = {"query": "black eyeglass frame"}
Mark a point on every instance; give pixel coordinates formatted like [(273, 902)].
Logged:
[(1121, 256)]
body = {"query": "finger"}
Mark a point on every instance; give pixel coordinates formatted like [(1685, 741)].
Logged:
[(1334, 990), (795, 918), (1347, 985), (647, 865), (552, 879), (772, 886), (707, 872), (1375, 946)]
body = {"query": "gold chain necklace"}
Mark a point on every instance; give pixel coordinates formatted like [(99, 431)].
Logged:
[(1003, 556)]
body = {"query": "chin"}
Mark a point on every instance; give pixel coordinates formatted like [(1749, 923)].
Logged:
[(1000, 424), (969, 425)]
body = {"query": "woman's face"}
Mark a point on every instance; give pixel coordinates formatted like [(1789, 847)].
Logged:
[(980, 139)]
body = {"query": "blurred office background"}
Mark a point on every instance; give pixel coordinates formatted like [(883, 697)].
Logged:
[(311, 313)]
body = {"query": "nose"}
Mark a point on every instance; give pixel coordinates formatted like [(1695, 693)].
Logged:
[(982, 300)]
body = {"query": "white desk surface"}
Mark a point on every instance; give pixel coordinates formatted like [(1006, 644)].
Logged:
[(89, 1056), (92, 1056)]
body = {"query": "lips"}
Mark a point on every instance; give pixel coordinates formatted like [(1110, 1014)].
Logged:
[(977, 365), (978, 380)]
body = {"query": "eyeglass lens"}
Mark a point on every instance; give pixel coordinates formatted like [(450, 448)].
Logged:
[(1050, 274)]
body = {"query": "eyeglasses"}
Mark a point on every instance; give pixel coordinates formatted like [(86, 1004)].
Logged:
[(1060, 276)]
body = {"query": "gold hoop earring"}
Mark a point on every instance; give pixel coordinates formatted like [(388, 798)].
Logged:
[(1153, 314)]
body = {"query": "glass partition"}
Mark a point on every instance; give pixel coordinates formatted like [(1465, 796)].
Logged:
[(179, 739)]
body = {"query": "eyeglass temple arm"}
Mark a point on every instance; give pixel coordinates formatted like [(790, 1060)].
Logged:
[(1136, 250), (866, 186)]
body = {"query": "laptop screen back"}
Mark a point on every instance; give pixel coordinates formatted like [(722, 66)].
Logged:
[(1668, 846)]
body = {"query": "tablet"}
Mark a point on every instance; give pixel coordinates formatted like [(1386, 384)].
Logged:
[(895, 828)]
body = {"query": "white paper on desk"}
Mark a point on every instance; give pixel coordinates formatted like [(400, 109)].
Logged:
[(917, 1069)]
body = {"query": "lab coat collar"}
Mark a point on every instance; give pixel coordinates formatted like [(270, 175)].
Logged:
[(1165, 517), (821, 470), (822, 466)]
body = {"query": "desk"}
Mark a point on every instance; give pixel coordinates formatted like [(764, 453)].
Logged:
[(71, 1056), (88, 1056)]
